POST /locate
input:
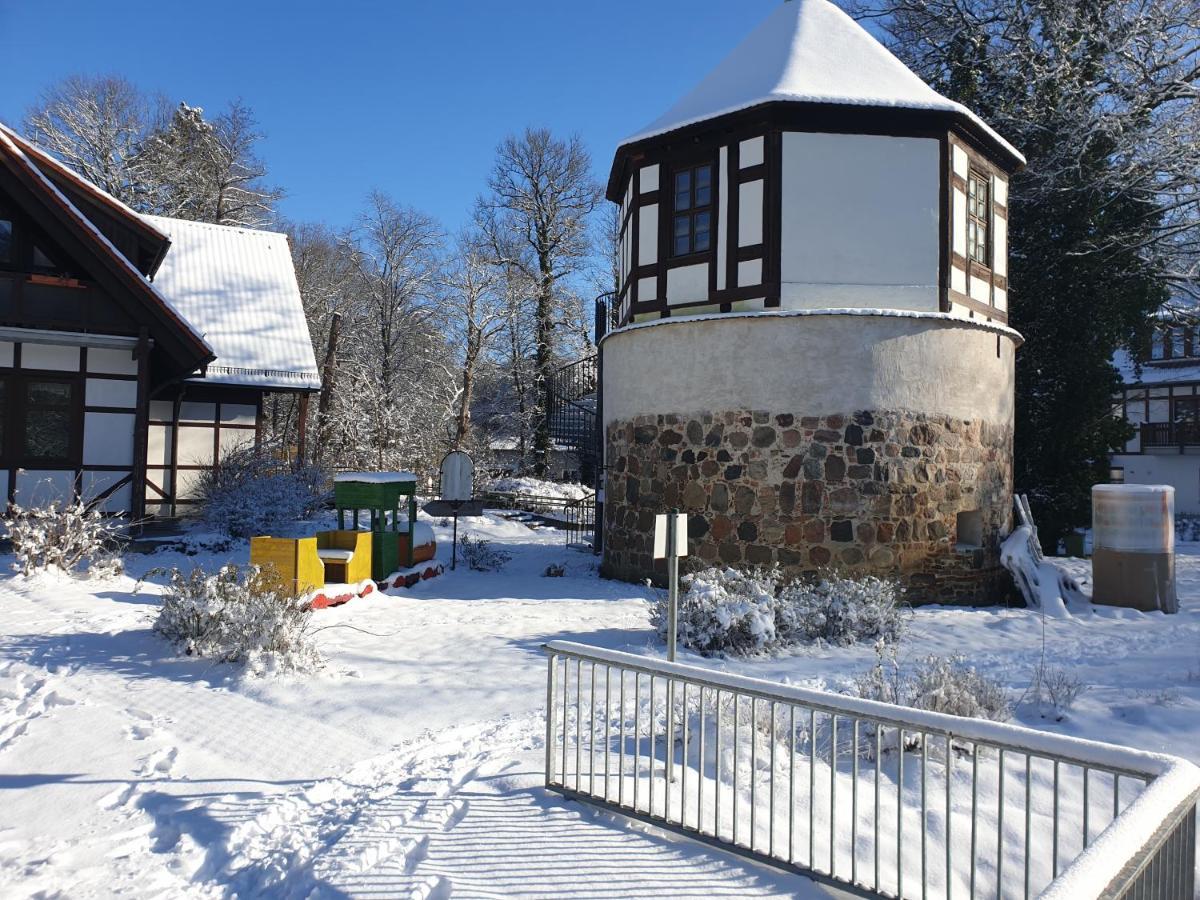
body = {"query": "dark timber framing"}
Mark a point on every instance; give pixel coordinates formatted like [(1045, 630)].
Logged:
[(701, 144)]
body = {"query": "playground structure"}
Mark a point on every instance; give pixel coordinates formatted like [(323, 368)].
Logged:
[(384, 555)]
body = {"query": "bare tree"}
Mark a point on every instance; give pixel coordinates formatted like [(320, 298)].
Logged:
[(536, 215), (94, 124), (474, 300)]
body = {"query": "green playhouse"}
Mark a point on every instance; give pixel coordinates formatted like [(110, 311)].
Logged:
[(390, 498)]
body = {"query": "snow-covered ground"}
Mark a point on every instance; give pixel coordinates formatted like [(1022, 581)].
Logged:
[(412, 765), (539, 487)]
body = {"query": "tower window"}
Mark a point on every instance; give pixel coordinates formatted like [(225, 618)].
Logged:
[(693, 211), (977, 218)]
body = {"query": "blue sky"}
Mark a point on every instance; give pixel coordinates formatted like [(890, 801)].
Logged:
[(408, 97)]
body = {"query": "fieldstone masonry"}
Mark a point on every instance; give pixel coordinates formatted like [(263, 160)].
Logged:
[(871, 491)]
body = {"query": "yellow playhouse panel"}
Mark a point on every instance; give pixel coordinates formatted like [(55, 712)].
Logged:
[(294, 559)]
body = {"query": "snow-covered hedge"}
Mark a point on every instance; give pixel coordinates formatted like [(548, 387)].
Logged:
[(538, 487), (64, 537), (944, 684), (1187, 528), (254, 491), (756, 611), (239, 615)]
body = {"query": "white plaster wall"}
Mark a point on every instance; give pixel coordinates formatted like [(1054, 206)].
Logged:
[(238, 413), (110, 392), (647, 289), (197, 412), (96, 483), (814, 365), (687, 284), (960, 222), (37, 487), (235, 437), (111, 362), (1000, 191), (860, 212), (6, 353), (49, 356), (750, 152), (195, 446), (750, 213), (959, 161), (749, 272), (108, 439), (1000, 245), (648, 179), (1000, 299), (1180, 471), (958, 279), (158, 445), (648, 235), (980, 290)]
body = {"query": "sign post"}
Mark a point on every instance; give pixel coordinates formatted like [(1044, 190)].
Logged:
[(457, 489), (670, 542)]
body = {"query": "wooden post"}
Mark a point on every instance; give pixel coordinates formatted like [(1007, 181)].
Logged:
[(141, 427), (301, 430)]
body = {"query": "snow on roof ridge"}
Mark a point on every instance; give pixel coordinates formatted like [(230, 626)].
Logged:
[(87, 223), (151, 219), (807, 51)]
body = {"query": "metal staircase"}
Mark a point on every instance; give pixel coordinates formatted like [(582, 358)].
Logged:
[(574, 411)]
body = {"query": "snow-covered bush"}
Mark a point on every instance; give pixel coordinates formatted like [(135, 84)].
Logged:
[(725, 611), (65, 537), (944, 684), (480, 555), (239, 615), (1054, 691), (756, 611), (256, 491), (840, 610)]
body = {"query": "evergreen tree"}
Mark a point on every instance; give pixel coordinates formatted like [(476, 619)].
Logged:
[(1102, 98)]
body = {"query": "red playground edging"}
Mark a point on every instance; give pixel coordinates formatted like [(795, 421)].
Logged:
[(322, 600)]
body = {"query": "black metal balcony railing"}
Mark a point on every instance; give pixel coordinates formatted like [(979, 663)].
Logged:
[(1170, 434)]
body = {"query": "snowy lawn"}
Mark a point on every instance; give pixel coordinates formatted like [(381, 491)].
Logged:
[(411, 765)]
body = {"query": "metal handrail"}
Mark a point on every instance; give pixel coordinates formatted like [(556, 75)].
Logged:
[(1136, 837)]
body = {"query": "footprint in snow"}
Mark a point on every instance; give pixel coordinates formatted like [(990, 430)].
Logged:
[(455, 812), (160, 762)]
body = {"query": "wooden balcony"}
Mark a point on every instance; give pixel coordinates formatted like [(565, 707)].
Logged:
[(1170, 435)]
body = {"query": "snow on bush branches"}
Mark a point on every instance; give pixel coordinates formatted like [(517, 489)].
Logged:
[(729, 611), (66, 537), (944, 684), (238, 615), (256, 491)]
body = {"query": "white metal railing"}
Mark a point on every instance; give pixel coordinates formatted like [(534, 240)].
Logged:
[(894, 801)]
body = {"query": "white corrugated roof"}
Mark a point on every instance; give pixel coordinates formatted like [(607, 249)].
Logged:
[(808, 51), (237, 287)]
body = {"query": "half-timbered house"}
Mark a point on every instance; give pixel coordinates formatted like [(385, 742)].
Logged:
[(134, 350), (1160, 399), (814, 356)]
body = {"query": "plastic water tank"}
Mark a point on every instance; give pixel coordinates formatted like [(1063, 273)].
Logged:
[(1133, 540)]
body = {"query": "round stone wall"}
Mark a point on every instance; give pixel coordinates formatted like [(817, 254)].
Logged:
[(862, 473)]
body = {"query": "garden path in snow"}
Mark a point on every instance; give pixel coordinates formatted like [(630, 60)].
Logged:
[(411, 765)]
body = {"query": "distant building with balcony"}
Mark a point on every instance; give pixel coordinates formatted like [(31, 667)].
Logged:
[(1161, 400)]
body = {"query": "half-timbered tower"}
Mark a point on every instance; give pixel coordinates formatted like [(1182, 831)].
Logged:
[(134, 350), (814, 358)]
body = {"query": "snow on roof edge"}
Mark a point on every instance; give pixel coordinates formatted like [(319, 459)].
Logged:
[(87, 223)]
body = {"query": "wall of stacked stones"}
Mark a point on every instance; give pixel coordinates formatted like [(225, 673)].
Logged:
[(867, 491)]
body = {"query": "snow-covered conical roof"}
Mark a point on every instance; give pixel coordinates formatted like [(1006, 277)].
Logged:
[(808, 51)]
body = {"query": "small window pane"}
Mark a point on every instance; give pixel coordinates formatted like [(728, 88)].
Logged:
[(6, 241), (681, 226), (47, 420), (683, 181), (702, 231), (682, 246)]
